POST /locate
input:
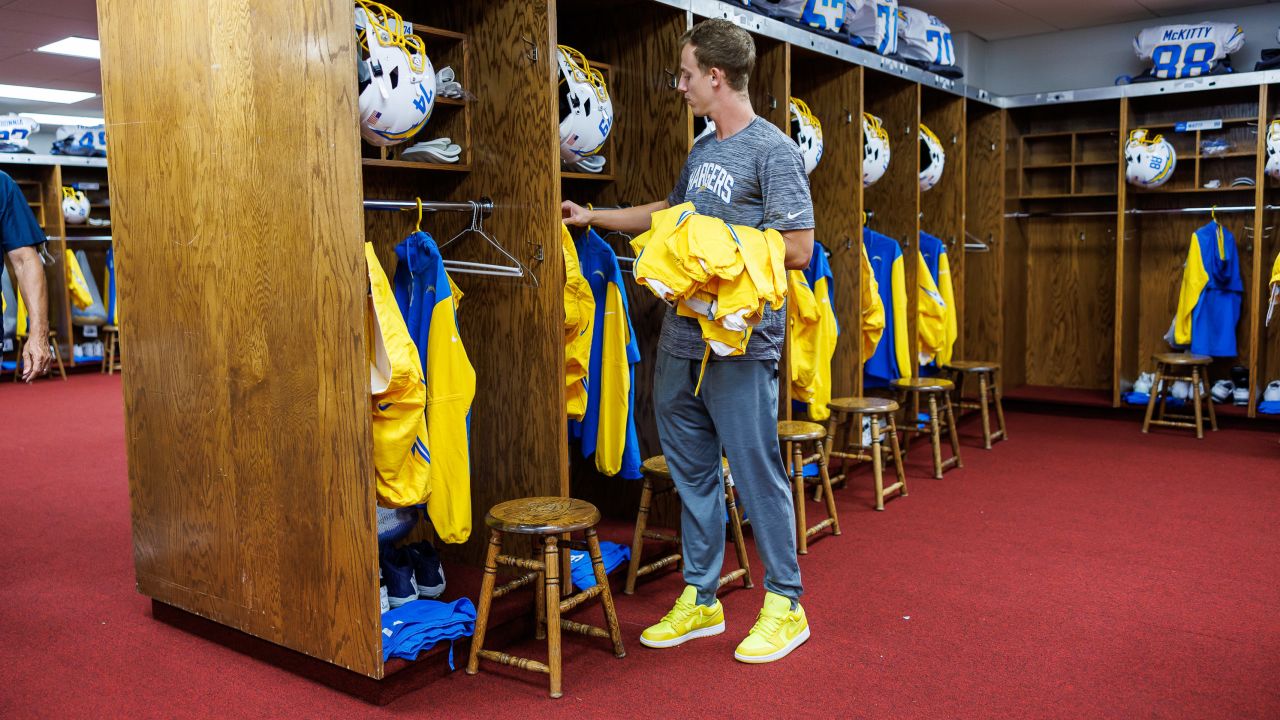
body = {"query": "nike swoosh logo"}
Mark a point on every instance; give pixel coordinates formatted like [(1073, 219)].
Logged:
[(794, 215)]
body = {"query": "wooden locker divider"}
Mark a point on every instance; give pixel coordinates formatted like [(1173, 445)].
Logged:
[(981, 324), (1267, 362), (895, 198), (649, 143), (1126, 362), (942, 208), (833, 91), (1256, 282), (770, 87)]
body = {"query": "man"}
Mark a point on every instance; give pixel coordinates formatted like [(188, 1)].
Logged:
[(19, 236), (748, 173)]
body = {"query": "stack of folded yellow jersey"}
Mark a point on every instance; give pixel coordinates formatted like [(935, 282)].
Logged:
[(722, 275)]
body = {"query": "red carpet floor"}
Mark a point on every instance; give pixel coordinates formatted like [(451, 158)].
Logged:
[(1080, 570)]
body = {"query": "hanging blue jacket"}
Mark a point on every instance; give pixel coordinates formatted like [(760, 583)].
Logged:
[(892, 358), (1211, 293), (608, 429)]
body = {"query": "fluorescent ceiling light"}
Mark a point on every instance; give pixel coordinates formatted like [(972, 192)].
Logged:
[(44, 119), (75, 46), (22, 92)]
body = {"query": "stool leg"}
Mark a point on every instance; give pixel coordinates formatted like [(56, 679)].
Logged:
[(735, 524), (1157, 386), (606, 597), (951, 430), (551, 561), (797, 481), (57, 355), (486, 600), (826, 484), (986, 415), (1213, 415), (637, 540), (897, 455), (111, 363), (935, 436), (877, 462), (995, 387), (540, 605), (1195, 401)]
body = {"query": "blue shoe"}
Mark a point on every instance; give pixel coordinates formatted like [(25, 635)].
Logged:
[(428, 572), (397, 571)]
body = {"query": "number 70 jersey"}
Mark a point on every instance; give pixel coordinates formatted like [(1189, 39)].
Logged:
[(1186, 51)]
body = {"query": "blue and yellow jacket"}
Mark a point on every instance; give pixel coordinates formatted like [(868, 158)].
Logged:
[(937, 325), (1211, 294), (401, 458), (1275, 287), (429, 301), (872, 307), (814, 329), (579, 315), (608, 428), (82, 285), (892, 358), (109, 285)]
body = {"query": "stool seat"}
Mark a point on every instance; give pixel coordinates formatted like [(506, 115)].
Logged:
[(863, 405), (657, 466), (800, 431), (924, 385), (542, 516), (1183, 359), (972, 366)]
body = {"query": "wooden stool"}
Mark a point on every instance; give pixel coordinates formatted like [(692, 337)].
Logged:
[(111, 348), (932, 389), (795, 433), (988, 394), (54, 347), (1171, 367), (545, 518), (655, 469), (845, 425)]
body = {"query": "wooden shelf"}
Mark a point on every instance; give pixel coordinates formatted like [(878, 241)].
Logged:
[(567, 175), (1162, 191), (411, 165), (1045, 166), (426, 32), (1172, 125), (1225, 155), (1095, 163), (450, 102), (1059, 196)]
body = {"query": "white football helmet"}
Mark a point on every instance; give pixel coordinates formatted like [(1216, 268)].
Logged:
[(81, 140), (875, 149), (75, 206), (397, 81), (1149, 161), (15, 132), (932, 158), (806, 130), (586, 112), (1273, 150)]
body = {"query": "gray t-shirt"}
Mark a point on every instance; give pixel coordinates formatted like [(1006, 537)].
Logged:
[(755, 178)]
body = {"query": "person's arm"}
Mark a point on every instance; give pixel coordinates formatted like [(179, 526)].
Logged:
[(632, 220), (30, 275), (799, 248)]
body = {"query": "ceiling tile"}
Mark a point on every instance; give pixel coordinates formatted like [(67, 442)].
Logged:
[(988, 19), (67, 9)]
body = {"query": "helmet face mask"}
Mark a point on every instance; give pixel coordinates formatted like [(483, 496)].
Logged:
[(397, 80), (875, 149), (1149, 162), (932, 152), (1273, 150), (586, 111), (75, 206), (806, 130)]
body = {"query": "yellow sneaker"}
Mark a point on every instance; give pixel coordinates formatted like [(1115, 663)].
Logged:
[(777, 631), (686, 621)]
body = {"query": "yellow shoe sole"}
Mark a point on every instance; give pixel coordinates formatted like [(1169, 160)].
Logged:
[(682, 639)]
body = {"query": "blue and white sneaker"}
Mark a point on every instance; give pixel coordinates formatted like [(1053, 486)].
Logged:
[(427, 570), (397, 570)]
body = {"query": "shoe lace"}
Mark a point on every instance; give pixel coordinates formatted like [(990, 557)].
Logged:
[(767, 624), (680, 611)]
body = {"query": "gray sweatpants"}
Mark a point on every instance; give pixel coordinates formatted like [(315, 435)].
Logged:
[(736, 412)]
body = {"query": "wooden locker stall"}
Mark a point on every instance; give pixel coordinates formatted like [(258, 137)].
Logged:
[(639, 42), (246, 385), (833, 91), (942, 208), (1061, 236), (893, 202), (94, 241), (41, 185), (982, 324), (1267, 245), (1159, 222)]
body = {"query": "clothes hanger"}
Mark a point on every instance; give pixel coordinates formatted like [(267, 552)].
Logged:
[(476, 227)]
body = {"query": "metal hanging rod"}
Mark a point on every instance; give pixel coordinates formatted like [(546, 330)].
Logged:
[(93, 238), (484, 205), (1138, 211)]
